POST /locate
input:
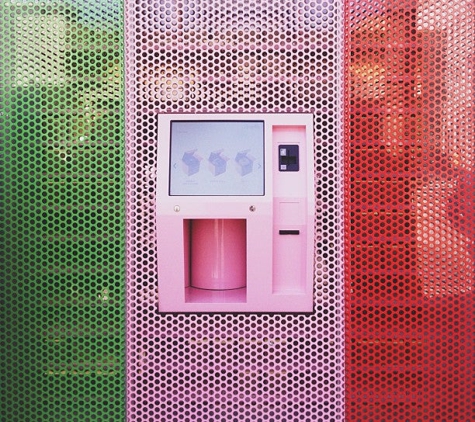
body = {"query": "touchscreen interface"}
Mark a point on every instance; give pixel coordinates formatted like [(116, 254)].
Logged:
[(216, 158)]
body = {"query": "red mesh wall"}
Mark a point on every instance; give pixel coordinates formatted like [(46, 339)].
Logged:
[(409, 232)]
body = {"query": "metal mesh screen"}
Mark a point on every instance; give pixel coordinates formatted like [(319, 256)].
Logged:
[(222, 56), (408, 270), (409, 211), (62, 264)]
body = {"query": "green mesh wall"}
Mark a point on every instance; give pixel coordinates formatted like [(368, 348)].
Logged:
[(62, 228)]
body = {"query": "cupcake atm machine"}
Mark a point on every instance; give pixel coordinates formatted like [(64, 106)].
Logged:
[(235, 213)]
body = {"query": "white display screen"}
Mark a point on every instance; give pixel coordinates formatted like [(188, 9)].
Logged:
[(216, 158)]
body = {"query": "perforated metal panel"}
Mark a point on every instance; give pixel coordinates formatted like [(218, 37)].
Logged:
[(222, 56), (409, 211), (409, 257), (62, 247)]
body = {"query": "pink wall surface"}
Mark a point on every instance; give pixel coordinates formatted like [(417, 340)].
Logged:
[(244, 57)]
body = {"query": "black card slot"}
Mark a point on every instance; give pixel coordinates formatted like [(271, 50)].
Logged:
[(289, 232)]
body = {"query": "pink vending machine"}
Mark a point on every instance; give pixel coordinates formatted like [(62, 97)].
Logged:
[(235, 213), (235, 233)]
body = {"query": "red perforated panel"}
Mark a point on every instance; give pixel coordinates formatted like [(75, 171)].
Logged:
[(409, 211)]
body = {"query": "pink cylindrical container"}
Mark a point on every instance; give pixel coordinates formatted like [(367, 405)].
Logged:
[(218, 254)]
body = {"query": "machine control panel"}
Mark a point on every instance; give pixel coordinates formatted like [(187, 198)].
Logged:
[(235, 213)]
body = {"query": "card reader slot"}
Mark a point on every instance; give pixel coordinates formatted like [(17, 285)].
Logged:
[(289, 232)]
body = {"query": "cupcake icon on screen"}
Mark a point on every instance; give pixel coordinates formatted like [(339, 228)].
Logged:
[(191, 162), (244, 162), (217, 162)]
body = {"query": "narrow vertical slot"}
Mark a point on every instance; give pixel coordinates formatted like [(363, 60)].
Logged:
[(289, 251), (290, 212), (289, 255), (187, 233)]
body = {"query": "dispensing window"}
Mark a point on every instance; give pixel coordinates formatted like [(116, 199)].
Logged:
[(215, 260)]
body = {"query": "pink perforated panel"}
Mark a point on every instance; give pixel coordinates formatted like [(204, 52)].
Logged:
[(226, 56)]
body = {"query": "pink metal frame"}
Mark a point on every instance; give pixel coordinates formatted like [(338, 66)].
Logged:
[(274, 272)]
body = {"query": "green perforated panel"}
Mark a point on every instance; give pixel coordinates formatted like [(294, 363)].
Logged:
[(62, 228)]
